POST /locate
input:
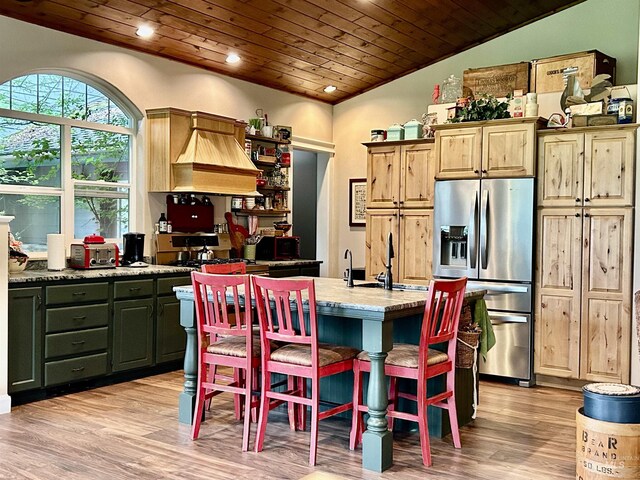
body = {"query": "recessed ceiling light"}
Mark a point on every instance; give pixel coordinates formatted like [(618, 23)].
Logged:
[(330, 89), (233, 58), (145, 31)]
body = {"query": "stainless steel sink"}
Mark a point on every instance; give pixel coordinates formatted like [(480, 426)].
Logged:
[(396, 286)]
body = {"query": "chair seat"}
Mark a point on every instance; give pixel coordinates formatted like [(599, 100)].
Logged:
[(301, 354), (236, 346), (405, 355)]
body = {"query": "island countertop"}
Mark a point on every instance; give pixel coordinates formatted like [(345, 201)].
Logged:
[(333, 293)]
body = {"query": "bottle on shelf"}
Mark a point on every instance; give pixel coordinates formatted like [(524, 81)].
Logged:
[(162, 224), (169, 227)]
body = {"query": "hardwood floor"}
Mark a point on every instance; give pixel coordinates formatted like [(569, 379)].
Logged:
[(130, 430)]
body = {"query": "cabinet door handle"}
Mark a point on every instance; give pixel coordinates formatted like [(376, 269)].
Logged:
[(476, 171), (76, 370), (134, 289), (161, 309), (484, 171), (77, 319), (39, 302), (80, 342), (76, 294)]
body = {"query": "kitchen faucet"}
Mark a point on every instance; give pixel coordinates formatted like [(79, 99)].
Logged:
[(349, 271), (387, 276)]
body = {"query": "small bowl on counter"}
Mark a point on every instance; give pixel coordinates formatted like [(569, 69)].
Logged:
[(17, 264)]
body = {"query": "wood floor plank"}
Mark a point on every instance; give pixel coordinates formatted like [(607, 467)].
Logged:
[(130, 430)]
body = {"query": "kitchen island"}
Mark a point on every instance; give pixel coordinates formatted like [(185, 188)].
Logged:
[(370, 314)]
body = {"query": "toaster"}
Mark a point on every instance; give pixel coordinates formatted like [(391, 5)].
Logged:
[(94, 255)]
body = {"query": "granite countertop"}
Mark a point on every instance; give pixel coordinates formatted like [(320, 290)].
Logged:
[(333, 293), (29, 276)]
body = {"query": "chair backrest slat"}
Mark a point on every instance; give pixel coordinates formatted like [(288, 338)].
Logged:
[(441, 316)]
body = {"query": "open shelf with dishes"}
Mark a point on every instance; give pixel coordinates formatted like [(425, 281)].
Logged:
[(262, 213)]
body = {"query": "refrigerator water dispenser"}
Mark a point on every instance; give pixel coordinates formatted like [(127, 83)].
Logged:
[(454, 245)]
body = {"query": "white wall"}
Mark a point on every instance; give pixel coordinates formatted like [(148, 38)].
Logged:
[(153, 82), (584, 27)]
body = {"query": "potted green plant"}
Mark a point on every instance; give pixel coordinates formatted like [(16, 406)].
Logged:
[(487, 107)]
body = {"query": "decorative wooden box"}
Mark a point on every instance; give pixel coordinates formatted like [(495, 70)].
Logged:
[(498, 81), (549, 74)]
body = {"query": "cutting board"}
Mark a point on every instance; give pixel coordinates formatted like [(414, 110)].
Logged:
[(238, 234)]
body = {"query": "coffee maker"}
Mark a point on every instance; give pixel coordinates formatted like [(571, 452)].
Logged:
[(133, 246)]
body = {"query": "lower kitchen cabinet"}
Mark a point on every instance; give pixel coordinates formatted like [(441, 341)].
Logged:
[(132, 334), (171, 339), (25, 332), (312, 270)]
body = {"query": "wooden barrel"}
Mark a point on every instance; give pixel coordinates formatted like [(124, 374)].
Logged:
[(606, 450)]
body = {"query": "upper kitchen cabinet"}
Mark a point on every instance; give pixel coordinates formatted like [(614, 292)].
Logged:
[(487, 149), (197, 152), (400, 174), (587, 167)]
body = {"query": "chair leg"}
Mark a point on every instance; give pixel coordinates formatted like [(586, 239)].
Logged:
[(356, 416), (237, 404), (247, 411), (453, 411), (211, 378), (264, 411), (423, 425), (291, 407), (255, 398), (197, 412), (393, 398), (315, 409), (302, 409)]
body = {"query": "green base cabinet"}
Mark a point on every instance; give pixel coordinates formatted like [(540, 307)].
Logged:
[(132, 334), (171, 338), (25, 330)]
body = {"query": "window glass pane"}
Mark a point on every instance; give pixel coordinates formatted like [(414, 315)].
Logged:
[(29, 153), (117, 116), (97, 106), (97, 155), (101, 210), (75, 99), (50, 95), (35, 217), (24, 91), (5, 93)]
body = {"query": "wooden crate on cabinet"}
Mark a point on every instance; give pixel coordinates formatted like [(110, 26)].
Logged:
[(587, 167)]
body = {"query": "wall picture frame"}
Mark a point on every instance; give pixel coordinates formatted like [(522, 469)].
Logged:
[(357, 202)]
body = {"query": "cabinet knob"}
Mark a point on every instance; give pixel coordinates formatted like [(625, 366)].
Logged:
[(586, 199), (476, 171), (577, 214), (484, 171), (587, 215), (577, 200)]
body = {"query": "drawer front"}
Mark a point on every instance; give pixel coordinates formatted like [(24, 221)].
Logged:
[(74, 343), (133, 289), (165, 285), (77, 318), (82, 292), (73, 369)]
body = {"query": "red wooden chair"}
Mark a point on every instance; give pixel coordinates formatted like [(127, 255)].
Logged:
[(222, 343), (419, 362), (225, 268), (301, 357), (235, 268)]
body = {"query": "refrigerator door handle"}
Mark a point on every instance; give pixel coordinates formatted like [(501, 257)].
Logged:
[(473, 225), (499, 318), (483, 229)]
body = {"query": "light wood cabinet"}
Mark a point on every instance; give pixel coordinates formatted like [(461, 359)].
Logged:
[(584, 267), (587, 168), (583, 299), (400, 191), (488, 149), (379, 223)]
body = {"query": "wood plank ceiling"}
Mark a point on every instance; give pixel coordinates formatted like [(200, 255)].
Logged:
[(297, 46)]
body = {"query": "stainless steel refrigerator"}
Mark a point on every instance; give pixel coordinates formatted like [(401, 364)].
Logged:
[(483, 229)]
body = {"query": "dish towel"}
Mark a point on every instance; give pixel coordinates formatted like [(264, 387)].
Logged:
[(487, 337)]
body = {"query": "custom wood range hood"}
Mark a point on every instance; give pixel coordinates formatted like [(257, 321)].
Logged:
[(198, 152)]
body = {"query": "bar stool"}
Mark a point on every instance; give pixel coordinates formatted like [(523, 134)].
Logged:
[(419, 362), (222, 343), (283, 307)]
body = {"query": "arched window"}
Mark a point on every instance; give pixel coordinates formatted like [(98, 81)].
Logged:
[(66, 151)]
